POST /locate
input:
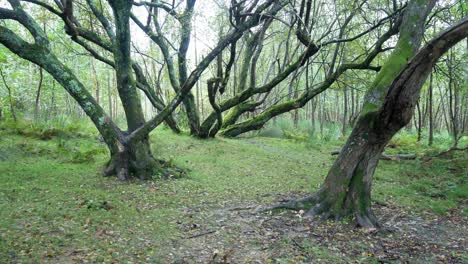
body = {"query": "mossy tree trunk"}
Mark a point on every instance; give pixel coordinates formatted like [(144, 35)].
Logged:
[(131, 158), (189, 100), (347, 187)]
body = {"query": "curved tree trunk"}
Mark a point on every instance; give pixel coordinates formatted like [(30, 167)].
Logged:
[(389, 106), (349, 180), (347, 188)]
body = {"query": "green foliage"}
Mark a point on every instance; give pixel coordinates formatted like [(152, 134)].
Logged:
[(83, 149), (48, 130)]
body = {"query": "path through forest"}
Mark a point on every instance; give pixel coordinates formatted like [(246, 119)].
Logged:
[(238, 235)]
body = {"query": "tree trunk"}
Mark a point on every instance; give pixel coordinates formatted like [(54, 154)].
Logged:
[(189, 100), (431, 118), (345, 110), (347, 188), (129, 158), (133, 159), (96, 81), (109, 95), (38, 95), (419, 124), (10, 96)]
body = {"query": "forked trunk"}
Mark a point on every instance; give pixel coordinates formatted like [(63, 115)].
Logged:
[(133, 160)]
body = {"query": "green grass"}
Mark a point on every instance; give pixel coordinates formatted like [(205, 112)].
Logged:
[(55, 204)]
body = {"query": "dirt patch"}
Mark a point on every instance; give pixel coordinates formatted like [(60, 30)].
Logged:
[(237, 235)]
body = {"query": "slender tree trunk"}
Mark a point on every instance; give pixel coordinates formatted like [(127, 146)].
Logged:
[(96, 82), (453, 98), (351, 116), (431, 119), (53, 104), (345, 110), (296, 111), (10, 96), (38, 95), (189, 100), (419, 124), (197, 86), (109, 95), (321, 113)]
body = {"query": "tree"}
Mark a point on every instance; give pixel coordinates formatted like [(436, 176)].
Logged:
[(252, 97), (130, 150), (388, 107), (10, 96)]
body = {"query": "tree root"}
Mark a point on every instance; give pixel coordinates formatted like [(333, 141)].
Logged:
[(126, 170), (367, 219), (315, 206), (295, 204)]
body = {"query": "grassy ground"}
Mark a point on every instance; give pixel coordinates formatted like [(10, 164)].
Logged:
[(55, 207)]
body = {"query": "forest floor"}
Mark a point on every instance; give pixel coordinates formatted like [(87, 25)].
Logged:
[(55, 207)]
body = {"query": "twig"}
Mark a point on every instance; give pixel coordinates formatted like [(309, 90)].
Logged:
[(201, 234)]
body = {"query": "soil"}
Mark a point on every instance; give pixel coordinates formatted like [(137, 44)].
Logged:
[(238, 234)]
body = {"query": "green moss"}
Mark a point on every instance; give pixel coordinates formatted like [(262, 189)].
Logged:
[(390, 70), (408, 43)]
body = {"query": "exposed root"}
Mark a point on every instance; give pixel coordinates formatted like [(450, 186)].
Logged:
[(125, 169), (295, 204), (316, 206), (367, 220)]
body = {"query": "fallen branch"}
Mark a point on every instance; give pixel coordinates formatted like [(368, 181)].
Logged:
[(450, 150), (201, 234), (386, 156)]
